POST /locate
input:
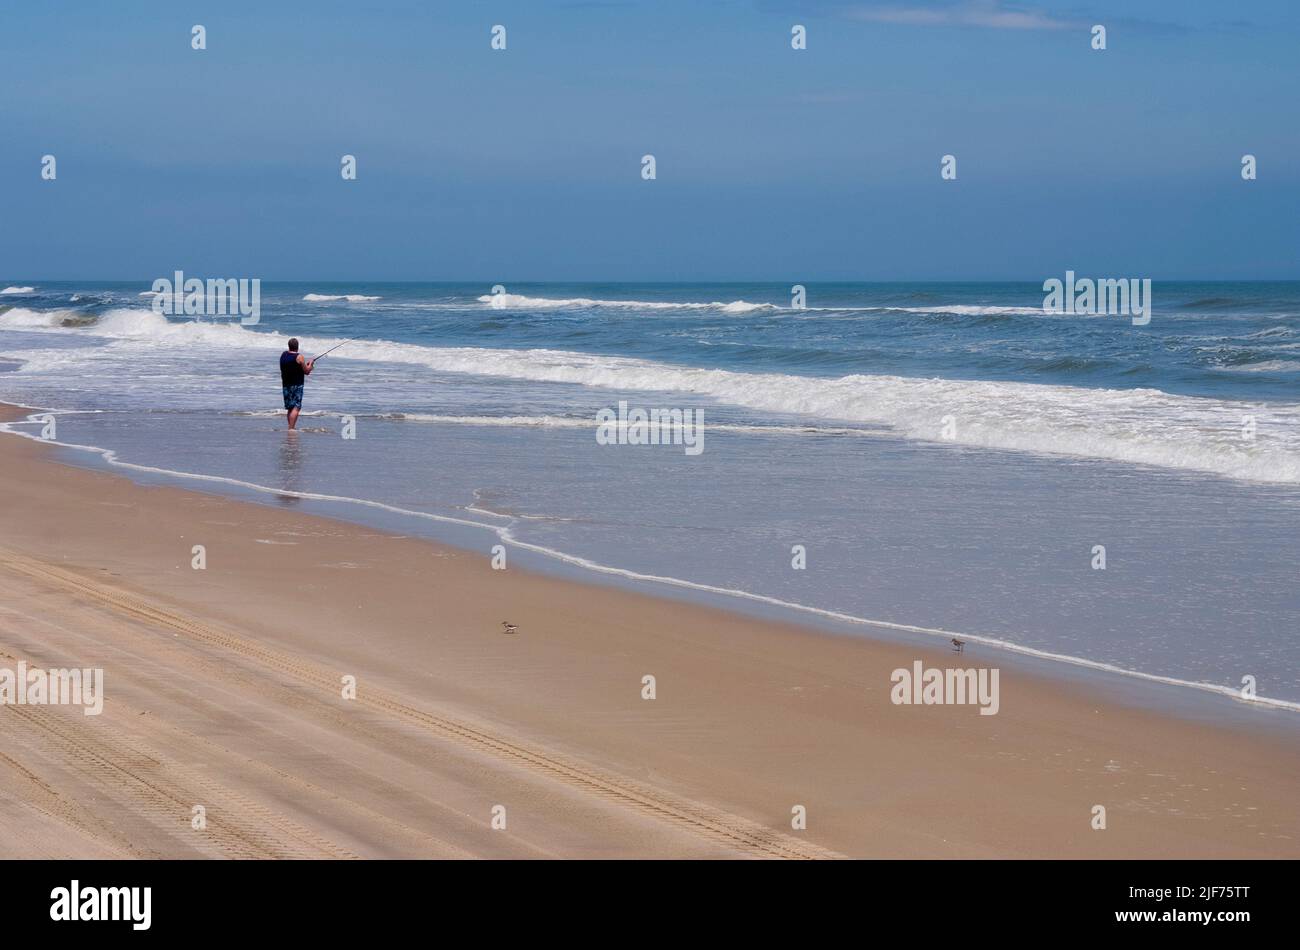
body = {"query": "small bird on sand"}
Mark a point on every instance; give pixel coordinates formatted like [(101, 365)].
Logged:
[(958, 645), (509, 627)]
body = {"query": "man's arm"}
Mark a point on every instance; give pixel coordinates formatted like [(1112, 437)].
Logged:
[(306, 364)]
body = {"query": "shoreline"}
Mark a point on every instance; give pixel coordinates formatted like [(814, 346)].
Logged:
[(226, 679), (1194, 699)]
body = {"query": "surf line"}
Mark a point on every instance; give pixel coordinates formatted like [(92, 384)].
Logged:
[(504, 533)]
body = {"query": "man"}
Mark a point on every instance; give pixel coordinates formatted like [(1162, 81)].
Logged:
[(294, 369)]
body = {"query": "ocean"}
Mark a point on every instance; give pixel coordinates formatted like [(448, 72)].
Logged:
[(944, 459)]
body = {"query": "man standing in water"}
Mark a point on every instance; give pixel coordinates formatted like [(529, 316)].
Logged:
[(294, 369)]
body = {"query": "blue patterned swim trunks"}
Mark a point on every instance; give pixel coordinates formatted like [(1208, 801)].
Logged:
[(293, 397)]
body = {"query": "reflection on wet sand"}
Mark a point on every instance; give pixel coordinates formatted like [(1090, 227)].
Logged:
[(290, 468)]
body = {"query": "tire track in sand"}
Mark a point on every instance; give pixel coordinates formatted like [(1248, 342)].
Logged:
[(192, 659), (157, 791), (740, 833)]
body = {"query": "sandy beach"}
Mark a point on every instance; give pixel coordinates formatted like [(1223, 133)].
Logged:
[(224, 691)]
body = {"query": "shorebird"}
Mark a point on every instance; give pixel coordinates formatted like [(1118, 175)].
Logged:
[(509, 627), (958, 645)]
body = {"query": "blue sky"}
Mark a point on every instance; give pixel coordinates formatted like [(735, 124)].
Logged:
[(773, 164)]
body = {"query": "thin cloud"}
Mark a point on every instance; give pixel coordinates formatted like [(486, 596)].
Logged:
[(990, 14)]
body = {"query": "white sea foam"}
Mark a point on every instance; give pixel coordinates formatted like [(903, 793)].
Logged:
[(544, 422), (1140, 426), (149, 327), (1265, 366), (350, 298), (18, 290), (21, 317), (565, 422), (521, 302), (971, 310), (506, 535), (571, 422)]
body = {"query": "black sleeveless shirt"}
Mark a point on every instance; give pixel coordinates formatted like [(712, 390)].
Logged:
[(291, 373)]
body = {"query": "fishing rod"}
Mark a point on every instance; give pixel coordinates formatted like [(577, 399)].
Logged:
[(333, 348)]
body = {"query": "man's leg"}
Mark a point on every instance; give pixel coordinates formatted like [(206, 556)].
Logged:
[(293, 417)]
